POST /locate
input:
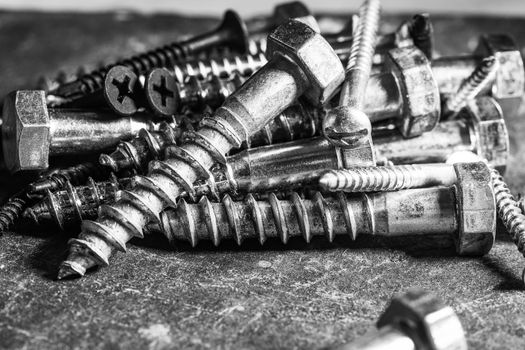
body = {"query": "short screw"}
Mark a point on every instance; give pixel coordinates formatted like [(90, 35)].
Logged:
[(379, 213), (11, 211), (242, 114), (472, 86), (388, 178), (231, 32), (75, 203)]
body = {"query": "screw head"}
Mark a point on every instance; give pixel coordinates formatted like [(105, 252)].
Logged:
[(162, 92), (121, 89)]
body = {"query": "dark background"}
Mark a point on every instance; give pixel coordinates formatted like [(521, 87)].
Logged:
[(298, 296)]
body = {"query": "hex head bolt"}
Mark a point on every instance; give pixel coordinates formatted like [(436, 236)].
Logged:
[(231, 33), (415, 320), (74, 203), (347, 124), (465, 212), (32, 132), (302, 63)]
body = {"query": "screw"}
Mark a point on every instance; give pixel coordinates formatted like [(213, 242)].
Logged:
[(387, 178), (231, 33), (421, 31), (12, 209), (77, 175), (266, 94), (414, 320), (472, 86), (32, 132), (434, 211), (347, 125), (75, 203)]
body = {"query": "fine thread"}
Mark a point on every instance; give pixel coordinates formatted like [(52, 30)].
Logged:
[(471, 87), (262, 219), (509, 211)]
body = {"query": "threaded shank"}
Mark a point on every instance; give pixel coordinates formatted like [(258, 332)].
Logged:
[(76, 175), (509, 211), (10, 212), (472, 86)]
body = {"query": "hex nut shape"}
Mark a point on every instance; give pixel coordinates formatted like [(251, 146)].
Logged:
[(476, 208), (26, 131), (426, 320), (419, 89), (301, 44)]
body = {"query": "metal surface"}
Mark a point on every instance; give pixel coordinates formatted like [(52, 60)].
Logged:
[(302, 63), (31, 132), (416, 320), (407, 212)]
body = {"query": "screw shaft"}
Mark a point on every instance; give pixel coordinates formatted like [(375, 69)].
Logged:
[(11, 211)]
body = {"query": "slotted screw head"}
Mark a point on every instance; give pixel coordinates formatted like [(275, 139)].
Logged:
[(121, 87), (162, 91)]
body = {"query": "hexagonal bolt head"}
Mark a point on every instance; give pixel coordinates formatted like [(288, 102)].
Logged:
[(313, 54), (426, 320), (476, 211), (26, 131), (419, 88)]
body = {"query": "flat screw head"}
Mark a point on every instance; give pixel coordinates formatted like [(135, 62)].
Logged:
[(121, 88), (162, 92)]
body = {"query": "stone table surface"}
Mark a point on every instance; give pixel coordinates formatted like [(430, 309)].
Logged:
[(294, 297)]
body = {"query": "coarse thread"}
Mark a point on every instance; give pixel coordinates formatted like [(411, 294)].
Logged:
[(471, 87), (11, 211), (143, 148), (370, 179), (509, 211), (364, 40), (77, 175), (195, 93), (75, 203), (250, 218), (244, 65)]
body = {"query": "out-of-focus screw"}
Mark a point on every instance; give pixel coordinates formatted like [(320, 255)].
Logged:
[(231, 32), (465, 212), (416, 320), (471, 87)]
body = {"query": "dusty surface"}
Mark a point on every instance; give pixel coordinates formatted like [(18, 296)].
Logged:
[(295, 297)]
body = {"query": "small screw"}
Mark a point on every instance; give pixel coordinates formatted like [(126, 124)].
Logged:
[(123, 91)]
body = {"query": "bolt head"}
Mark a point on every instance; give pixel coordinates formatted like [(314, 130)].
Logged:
[(313, 54), (426, 320), (476, 209), (419, 89), (25, 131)]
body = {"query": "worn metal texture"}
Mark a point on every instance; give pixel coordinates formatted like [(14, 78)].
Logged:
[(298, 296)]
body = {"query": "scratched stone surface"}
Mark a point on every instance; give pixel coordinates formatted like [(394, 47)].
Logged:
[(294, 297)]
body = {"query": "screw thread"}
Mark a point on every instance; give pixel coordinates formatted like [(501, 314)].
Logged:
[(77, 175), (472, 86), (509, 211), (75, 203), (11, 211), (250, 218), (387, 178), (363, 44), (143, 148), (243, 65)]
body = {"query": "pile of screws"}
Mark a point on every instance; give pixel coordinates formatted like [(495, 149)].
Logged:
[(237, 135)]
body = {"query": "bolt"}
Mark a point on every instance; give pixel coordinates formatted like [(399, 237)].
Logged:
[(471, 87), (466, 212), (416, 320), (301, 63), (347, 124), (230, 33), (32, 132), (77, 175), (69, 206), (387, 178), (483, 132)]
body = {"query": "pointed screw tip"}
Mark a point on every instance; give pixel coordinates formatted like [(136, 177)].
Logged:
[(69, 270)]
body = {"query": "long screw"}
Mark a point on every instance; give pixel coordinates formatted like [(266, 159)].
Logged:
[(242, 114), (388, 178), (231, 33), (471, 87), (296, 122), (75, 203)]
